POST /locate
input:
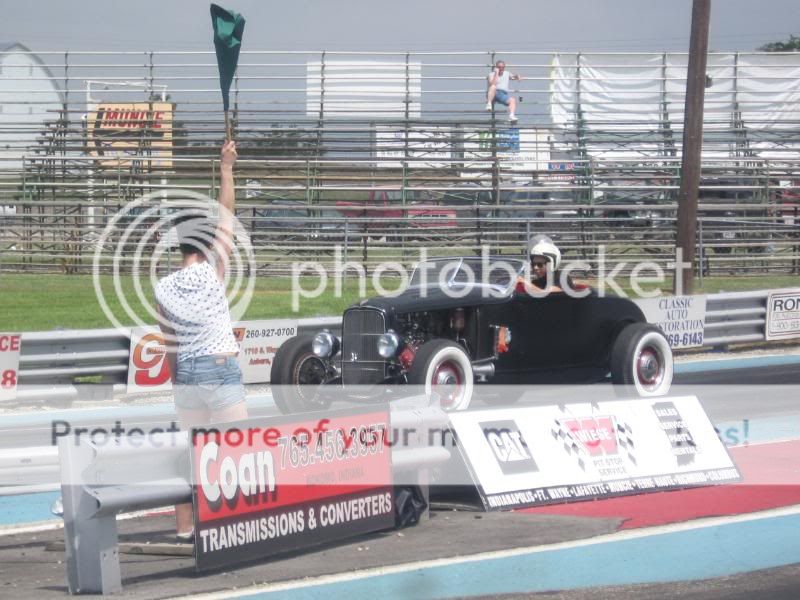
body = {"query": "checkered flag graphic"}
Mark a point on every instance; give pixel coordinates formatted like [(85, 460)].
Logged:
[(625, 440), (572, 447)]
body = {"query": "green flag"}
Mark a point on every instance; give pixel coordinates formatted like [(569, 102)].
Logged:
[(228, 30)]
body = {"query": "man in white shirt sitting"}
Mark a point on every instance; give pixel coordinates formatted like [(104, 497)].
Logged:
[(498, 89)]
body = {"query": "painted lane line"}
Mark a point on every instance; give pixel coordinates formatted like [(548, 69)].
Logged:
[(726, 364), (600, 550), (58, 522)]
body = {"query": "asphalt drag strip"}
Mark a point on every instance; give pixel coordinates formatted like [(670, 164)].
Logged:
[(29, 570)]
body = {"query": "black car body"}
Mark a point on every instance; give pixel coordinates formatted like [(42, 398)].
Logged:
[(463, 321)]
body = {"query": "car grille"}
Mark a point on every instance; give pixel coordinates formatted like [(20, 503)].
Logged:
[(361, 363)]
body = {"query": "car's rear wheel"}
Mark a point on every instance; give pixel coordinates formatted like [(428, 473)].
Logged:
[(641, 361), (445, 371), (297, 377)]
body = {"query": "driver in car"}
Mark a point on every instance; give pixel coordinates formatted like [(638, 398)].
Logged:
[(545, 259)]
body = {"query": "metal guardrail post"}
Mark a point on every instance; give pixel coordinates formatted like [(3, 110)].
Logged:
[(90, 541), (97, 483)]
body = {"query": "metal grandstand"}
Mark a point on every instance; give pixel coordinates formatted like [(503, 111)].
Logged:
[(383, 153)]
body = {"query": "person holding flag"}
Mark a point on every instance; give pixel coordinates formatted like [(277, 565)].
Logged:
[(193, 309)]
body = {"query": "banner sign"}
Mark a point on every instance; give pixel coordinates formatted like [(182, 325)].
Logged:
[(263, 487), (120, 132), (783, 315), (258, 342), (517, 149), (558, 171), (10, 344), (148, 371), (681, 318), (364, 89), (550, 454), (429, 147)]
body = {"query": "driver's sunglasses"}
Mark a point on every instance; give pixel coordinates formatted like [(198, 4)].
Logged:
[(540, 264)]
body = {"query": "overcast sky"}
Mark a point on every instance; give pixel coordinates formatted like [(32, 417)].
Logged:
[(414, 25)]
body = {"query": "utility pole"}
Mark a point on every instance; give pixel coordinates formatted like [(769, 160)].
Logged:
[(692, 147)]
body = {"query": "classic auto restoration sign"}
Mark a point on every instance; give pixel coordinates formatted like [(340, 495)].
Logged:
[(552, 454), (267, 486), (783, 315), (10, 344), (681, 318)]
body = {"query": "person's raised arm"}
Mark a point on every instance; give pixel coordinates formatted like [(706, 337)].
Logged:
[(223, 240)]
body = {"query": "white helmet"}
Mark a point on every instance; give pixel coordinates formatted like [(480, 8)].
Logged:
[(544, 246)]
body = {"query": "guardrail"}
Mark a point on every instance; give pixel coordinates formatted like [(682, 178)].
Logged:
[(52, 363), (735, 317), (156, 474)]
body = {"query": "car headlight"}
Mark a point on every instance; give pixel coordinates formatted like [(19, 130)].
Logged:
[(325, 344), (388, 344)]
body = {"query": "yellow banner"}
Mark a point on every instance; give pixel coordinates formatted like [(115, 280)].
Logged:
[(122, 132)]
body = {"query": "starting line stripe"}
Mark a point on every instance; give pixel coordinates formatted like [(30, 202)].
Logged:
[(740, 362), (701, 549)]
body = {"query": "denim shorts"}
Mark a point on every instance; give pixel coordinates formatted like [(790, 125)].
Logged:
[(501, 96), (208, 382)]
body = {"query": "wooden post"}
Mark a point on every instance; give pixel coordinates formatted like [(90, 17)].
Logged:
[(228, 135), (692, 146)]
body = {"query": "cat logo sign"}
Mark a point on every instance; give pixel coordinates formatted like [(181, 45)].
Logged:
[(121, 132), (148, 371)]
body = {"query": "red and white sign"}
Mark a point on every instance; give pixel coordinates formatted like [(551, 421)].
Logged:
[(148, 371), (285, 483), (550, 454), (10, 344), (258, 343)]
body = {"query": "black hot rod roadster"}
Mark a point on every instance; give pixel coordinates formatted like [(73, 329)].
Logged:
[(464, 321)]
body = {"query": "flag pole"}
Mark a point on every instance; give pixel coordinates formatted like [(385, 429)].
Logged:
[(228, 134)]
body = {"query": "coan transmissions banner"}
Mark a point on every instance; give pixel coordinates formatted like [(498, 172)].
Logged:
[(552, 454), (265, 486), (122, 131)]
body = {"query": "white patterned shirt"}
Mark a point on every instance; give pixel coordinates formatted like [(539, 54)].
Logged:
[(193, 300)]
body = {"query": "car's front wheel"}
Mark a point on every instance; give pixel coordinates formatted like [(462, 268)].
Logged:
[(641, 361), (297, 377), (445, 371)]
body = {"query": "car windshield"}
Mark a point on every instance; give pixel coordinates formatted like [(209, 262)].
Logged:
[(496, 272)]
